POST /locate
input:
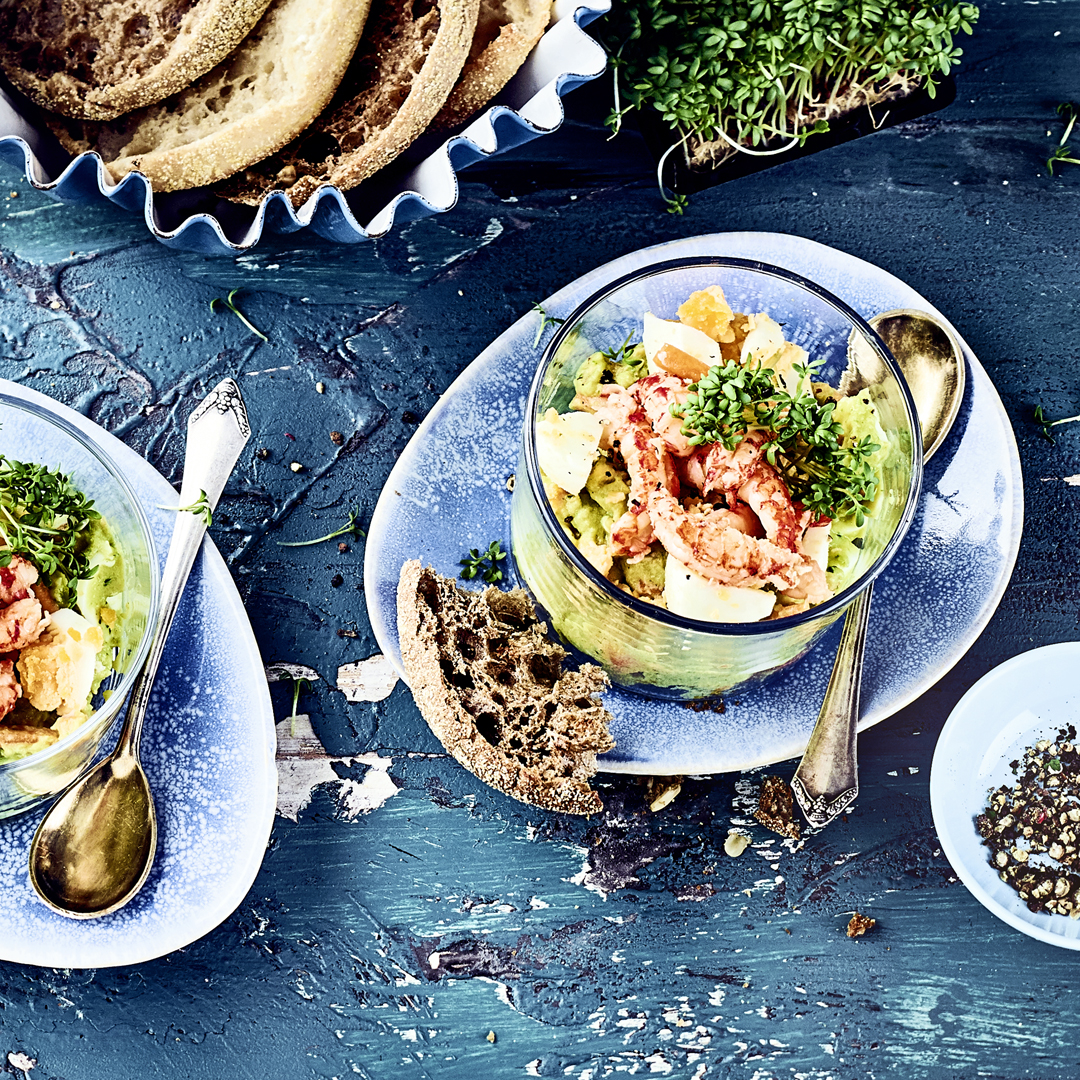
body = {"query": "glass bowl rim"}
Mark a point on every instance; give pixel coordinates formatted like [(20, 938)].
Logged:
[(41, 757), (663, 615)]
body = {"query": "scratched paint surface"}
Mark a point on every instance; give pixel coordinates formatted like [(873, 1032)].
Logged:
[(404, 911)]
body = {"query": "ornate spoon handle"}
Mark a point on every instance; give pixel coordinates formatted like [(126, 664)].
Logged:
[(217, 432), (827, 779)]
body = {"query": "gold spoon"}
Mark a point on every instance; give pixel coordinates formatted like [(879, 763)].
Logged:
[(94, 848), (827, 779)]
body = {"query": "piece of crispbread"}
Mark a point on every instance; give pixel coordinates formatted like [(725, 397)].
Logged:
[(490, 684), (96, 59), (506, 32), (403, 71), (252, 104)]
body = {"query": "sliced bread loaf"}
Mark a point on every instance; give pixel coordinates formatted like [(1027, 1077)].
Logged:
[(96, 60), (506, 32), (263, 95), (400, 77), (490, 685)]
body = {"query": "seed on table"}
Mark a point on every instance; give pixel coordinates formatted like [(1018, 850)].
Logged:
[(296, 466), (736, 843)]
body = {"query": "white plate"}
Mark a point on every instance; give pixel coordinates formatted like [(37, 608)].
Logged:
[(208, 748), (1028, 698), (447, 493)]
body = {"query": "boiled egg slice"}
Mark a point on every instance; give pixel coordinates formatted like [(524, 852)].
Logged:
[(76, 642), (689, 594), (677, 349), (566, 446), (815, 544), (765, 345)]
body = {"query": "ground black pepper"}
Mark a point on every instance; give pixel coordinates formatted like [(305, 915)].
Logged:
[(1032, 828)]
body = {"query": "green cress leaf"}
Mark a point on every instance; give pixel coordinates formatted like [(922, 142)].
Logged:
[(753, 72), (43, 518), (486, 564), (829, 476)]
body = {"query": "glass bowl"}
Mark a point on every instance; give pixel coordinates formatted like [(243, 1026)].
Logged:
[(646, 648), (31, 433)]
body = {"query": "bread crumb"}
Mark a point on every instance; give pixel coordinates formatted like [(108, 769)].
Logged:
[(736, 843), (662, 791), (776, 808), (859, 924), (491, 1036)]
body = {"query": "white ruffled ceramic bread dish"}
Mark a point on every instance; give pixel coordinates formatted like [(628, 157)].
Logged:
[(423, 182)]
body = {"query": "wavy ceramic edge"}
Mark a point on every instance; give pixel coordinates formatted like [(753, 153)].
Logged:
[(430, 188)]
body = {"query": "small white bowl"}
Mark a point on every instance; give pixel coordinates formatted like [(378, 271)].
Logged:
[(1028, 698)]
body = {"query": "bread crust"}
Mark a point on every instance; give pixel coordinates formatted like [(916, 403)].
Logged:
[(401, 75), (506, 32), (489, 683), (96, 60), (249, 106)]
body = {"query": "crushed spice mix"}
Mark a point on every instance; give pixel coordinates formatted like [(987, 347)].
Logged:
[(1032, 828)]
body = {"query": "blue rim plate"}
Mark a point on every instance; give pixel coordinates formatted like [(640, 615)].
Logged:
[(1026, 699), (448, 493), (208, 748)]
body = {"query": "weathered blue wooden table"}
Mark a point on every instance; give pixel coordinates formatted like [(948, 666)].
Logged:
[(407, 920)]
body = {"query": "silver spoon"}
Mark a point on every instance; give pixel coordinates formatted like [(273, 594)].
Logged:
[(94, 848), (827, 779)]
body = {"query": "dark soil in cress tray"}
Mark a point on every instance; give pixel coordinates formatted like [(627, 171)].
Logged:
[(680, 177)]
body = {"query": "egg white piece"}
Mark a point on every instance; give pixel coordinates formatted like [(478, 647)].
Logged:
[(80, 641), (815, 544), (689, 594), (765, 345), (660, 332), (566, 447)]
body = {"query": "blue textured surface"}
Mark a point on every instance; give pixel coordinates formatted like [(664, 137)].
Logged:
[(629, 942)]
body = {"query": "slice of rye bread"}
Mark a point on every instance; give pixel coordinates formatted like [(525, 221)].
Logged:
[(490, 685), (403, 71), (96, 59), (506, 32), (265, 93)]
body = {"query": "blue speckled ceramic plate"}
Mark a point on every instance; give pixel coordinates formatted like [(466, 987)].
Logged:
[(208, 748), (448, 493), (1028, 698)]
